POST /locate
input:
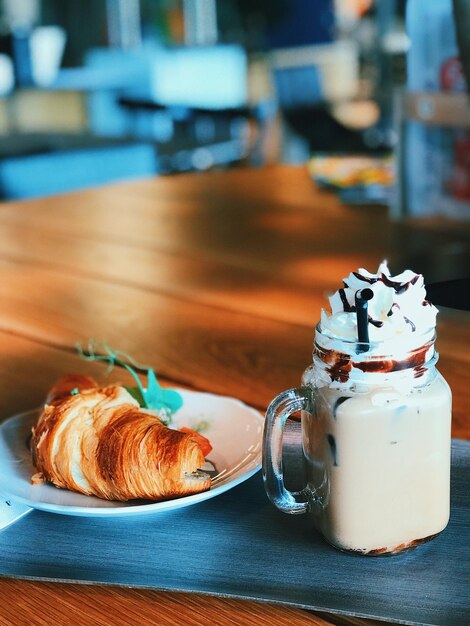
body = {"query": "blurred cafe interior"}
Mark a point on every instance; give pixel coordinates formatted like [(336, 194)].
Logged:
[(186, 181), (370, 97)]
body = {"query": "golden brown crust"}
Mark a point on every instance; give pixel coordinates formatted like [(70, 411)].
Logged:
[(101, 442), (62, 388)]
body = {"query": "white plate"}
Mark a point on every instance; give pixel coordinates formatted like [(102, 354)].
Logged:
[(233, 428)]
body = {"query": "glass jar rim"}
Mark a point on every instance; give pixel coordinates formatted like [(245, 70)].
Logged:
[(348, 361), (371, 349)]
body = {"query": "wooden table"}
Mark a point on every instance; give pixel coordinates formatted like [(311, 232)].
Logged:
[(216, 280)]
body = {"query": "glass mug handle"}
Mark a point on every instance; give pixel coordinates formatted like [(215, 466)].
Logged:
[(284, 405)]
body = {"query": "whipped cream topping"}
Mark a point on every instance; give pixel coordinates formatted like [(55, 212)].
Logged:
[(398, 309), (401, 327)]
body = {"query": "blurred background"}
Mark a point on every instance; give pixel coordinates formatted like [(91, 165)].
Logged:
[(370, 96)]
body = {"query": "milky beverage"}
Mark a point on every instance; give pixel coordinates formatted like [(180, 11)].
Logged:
[(375, 420)]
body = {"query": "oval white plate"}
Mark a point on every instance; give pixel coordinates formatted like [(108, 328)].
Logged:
[(233, 428)]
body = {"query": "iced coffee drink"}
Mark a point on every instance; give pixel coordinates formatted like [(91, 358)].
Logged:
[(375, 419)]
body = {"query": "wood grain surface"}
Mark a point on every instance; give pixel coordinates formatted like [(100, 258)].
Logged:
[(217, 281), (89, 606)]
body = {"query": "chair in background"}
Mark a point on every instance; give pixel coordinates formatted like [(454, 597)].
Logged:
[(307, 112)]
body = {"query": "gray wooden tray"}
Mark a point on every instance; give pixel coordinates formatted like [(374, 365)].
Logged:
[(238, 545)]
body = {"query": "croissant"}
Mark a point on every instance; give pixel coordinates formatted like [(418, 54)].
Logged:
[(98, 441)]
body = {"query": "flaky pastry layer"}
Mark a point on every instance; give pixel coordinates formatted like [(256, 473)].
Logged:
[(99, 442)]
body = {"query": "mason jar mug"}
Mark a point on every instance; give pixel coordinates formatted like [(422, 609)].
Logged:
[(375, 442)]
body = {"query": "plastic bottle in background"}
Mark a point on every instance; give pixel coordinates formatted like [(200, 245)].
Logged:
[(436, 159)]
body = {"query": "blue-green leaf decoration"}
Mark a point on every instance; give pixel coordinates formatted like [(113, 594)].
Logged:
[(153, 391), (137, 395), (156, 397), (168, 401)]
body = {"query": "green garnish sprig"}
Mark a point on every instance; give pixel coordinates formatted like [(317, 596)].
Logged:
[(153, 396)]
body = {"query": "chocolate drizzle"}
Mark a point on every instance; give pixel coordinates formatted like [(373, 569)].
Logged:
[(339, 364), (376, 323), (415, 360), (332, 444), (346, 306), (338, 403), (403, 547), (341, 368), (412, 324), (398, 287), (371, 281)]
